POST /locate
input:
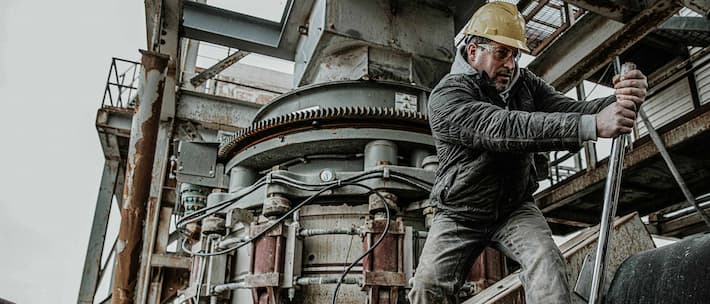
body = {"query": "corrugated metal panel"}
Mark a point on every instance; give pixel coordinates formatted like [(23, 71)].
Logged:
[(702, 76), (667, 105)]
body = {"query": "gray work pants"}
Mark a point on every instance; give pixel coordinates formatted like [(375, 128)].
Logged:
[(452, 247)]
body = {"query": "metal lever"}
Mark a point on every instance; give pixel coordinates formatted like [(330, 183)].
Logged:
[(611, 198)]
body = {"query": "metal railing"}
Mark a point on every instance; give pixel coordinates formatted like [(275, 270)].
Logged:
[(559, 171), (121, 84)]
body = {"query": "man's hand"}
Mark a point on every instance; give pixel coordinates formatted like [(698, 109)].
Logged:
[(616, 119), (632, 86)]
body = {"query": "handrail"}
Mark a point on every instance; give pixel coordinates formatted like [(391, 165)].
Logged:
[(121, 88), (680, 73)]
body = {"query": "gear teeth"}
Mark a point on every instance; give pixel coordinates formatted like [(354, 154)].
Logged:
[(242, 138)]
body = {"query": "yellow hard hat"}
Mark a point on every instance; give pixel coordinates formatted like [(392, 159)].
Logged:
[(500, 22)]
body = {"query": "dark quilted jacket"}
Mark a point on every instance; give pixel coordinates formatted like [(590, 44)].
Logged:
[(485, 145)]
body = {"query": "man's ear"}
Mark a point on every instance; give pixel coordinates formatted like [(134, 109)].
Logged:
[(470, 52)]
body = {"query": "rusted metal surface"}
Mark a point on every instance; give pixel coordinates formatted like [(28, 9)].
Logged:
[(575, 187), (266, 265), (173, 280), (154, 219), (490, 267), (621, 11), (144, 133), (171, 261), (593, 41), (637, 28), (216, 112), (218, 67), (383, 269)]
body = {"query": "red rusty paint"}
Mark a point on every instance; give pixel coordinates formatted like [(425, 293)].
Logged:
[(489, 268), (645, 22), (264, 255), (137, 186), (386, 257)]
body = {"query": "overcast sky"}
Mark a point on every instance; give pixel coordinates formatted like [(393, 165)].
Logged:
[(54, 58)]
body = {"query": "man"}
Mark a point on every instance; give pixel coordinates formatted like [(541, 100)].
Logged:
[(487, 117)]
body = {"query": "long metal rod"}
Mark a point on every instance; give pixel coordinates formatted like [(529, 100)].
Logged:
[(611, 198), (144, 132), (658, 141)]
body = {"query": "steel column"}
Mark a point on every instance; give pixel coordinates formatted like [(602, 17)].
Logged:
[(144, 132), (153, 209), (92, 262)]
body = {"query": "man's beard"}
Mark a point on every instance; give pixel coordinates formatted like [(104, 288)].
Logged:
[(502, 85)]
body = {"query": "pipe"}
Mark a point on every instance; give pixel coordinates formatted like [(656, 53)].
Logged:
[(327, 231), (228, 243), (228, 286), (326, 280), (671, 166), (703, 202), (611, 198), (141, 151)]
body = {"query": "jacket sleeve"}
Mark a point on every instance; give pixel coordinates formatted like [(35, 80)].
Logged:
[(457, 116), (547, 99)]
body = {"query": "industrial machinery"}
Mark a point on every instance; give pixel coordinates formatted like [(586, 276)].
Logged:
[(321, 194), (328, 187), (326, 193)]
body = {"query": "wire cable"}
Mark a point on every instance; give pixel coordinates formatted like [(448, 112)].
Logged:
[(193, 217), (275, 222), (598, 81), (369, 250)]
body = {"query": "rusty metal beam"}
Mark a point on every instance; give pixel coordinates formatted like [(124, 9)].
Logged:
[(171, 261), (621, 11), (592, 42), (138, 174), (218, 67), (215, 111), (563, 193), (160, 165), (209, 111)]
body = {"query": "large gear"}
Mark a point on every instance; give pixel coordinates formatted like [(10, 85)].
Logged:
[(337, 117)]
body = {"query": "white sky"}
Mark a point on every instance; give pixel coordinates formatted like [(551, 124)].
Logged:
[(54, 58)]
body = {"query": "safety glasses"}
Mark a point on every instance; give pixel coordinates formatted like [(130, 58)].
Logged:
[(501, 53)]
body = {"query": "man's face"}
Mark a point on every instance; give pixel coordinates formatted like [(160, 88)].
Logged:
[(497, 60)]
